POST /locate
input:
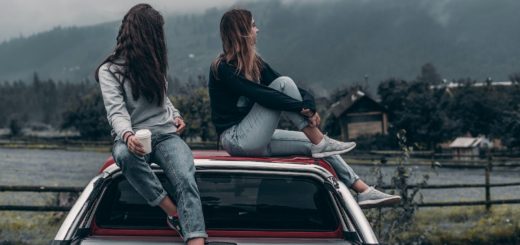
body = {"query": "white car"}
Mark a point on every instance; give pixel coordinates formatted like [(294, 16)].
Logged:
[(290, 200)]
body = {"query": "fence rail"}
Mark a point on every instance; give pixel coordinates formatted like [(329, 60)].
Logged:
[(35, 208), (454, 186), (25, 188), (486, 165), (432, 156), (390, 159), (469, 203), (45, 208)]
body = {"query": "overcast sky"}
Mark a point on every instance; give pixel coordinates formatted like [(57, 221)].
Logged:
[(26, 17)]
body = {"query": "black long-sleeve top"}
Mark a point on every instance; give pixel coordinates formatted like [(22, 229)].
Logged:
[(232, 95)]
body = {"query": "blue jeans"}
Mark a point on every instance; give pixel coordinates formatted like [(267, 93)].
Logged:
[(256, 134), (172, 154)]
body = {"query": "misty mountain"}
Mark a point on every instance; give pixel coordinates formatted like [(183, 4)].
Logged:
[(324, 44)]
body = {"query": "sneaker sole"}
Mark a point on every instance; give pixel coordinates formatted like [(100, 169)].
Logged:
[(389, 201), (332, 153), (175, 229)]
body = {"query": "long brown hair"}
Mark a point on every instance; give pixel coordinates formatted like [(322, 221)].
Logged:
[(141, 50), (238, 44)]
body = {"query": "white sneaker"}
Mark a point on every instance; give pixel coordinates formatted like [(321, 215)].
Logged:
[(329, 147), (374, 198)]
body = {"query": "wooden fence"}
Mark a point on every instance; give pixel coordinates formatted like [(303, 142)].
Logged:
[(435, 159), (487, 165), (47, 208)]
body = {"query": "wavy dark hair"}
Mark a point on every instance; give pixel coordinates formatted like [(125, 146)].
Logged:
[(238, 44), (141, 50)]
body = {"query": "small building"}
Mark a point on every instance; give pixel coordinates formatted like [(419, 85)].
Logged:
[(469, 148), (360, 115)]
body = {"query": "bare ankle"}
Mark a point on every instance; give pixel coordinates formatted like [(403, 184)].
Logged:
[(313, 134), (196, 241), (359, 186)]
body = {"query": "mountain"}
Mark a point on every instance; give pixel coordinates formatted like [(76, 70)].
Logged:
[(325, 44)]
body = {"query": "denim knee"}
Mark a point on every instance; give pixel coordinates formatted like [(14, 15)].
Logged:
[(121, 154), (139, 174), (285, 84)]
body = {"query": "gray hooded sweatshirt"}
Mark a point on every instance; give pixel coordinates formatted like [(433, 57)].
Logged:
[(126, 114)]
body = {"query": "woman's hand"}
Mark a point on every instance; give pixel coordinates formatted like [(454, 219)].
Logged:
[(179, 123), (307, 112), (312, 116), (134, 145), (315, 120)]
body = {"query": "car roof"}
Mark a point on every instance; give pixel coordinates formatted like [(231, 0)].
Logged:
[(224, 156), (215, 156)]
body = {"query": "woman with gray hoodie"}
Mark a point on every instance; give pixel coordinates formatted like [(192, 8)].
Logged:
[(133, 85)]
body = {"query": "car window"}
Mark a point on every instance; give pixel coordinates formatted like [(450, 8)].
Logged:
[(231, 201)]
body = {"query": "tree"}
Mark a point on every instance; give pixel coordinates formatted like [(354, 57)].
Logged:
[(48, 102), (478, 110), (88, 117), (15, 127), (515, 78), (510, 133), (429, 75), (393, 92), (192, 101), (416, 108), (420, 115), (507, 127)]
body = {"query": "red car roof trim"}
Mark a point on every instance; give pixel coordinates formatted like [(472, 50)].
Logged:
[(95, 230), (222, 155)]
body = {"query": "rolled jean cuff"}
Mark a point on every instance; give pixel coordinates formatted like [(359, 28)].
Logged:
[(158, 200), (352, 180), (195, 234)]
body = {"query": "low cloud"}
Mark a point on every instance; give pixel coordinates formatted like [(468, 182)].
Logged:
[(26, 17)]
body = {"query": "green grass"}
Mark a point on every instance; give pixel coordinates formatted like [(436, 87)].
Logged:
[(466, 225), (29, 227), (436, 226)]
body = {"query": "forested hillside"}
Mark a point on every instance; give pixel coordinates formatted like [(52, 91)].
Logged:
[(317, 42)]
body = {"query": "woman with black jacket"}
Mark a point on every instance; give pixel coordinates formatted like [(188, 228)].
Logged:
[(247, 99)]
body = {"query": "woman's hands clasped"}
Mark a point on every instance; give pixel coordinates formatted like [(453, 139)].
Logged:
[(315, 120)]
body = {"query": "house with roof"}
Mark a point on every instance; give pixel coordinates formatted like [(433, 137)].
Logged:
[(359, 115), (469, 148)]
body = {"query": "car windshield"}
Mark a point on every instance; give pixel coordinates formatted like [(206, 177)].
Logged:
[(231, 201)]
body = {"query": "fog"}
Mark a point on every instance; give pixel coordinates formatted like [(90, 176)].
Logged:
[(26, 17)]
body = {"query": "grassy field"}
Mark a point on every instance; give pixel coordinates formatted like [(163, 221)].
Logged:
[(436, 226), (460, 225), (29, 227)]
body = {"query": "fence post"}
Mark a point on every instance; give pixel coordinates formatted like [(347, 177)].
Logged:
[(488, 190)]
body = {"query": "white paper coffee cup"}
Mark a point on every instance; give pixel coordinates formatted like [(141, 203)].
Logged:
[(144, 136)]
